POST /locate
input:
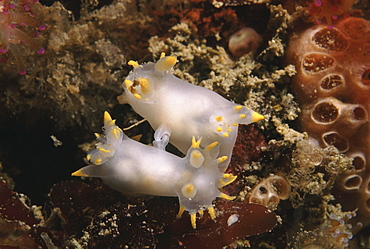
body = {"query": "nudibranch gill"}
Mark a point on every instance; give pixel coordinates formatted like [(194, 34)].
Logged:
[(178, 110), (137, 169)]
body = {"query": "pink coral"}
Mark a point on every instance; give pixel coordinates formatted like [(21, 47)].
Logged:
[(13, 15), (329, 10)]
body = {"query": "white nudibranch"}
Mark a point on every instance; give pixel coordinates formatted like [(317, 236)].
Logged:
[(137, 169), (178, 110)]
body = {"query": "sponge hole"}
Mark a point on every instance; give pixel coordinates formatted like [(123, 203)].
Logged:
[(333, 138), (368, 203), (352, 182), (359, 113), (325, 112), (332, 82), (359, 162), (330, 39), (317, 62), (365, 79), (281, 186), (263, 190)]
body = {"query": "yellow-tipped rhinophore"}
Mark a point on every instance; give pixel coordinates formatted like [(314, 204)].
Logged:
[(238, 107), (211, 146), (228, 178), (193, 218), (132, 63), (181, 211), (222, 159), (257, 117), (211, 212), (79, 173), (227, 197), (107, 117), (195, 144), (163, 54), (165, 63)]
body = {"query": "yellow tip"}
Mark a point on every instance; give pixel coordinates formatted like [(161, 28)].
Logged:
[(241, 116), (227, 180), (193, 218), (107, 117), (225, 134), (200, 212), (165, 63), (222, 159), (219, 129), (145, 85), (218, 118), (257, 117), (128, 83), (116, 132), (79, 173), (133, 63), (211, 212), (227, 197), (211, 146), (163, 54), (195, 144), (97, 161), (196, 154), (137, 96), (181, 211), (104, 150), (238, 107)]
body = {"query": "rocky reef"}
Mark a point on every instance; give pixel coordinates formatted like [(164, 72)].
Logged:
[(302, 172)]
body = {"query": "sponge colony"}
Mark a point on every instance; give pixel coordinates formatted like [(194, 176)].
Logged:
[(332, 85)]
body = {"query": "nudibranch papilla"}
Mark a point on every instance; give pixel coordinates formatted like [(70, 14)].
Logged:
[(137, 169), (178, 110)]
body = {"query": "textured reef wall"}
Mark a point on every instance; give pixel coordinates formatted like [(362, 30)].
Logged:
[(302, 170)]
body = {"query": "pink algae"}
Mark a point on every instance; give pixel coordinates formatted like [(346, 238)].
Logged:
[(17, 18)]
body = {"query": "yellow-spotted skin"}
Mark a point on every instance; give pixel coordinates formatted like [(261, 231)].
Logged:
[(137, 169), (178, 110)]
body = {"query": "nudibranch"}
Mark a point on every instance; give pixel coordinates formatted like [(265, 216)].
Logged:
[(178, 110), (137, 169)]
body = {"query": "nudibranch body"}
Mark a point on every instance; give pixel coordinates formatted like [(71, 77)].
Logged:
[(178, 110), (137, 169)]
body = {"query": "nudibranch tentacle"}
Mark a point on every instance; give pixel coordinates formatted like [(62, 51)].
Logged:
[(179, 110), (137, 169)]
